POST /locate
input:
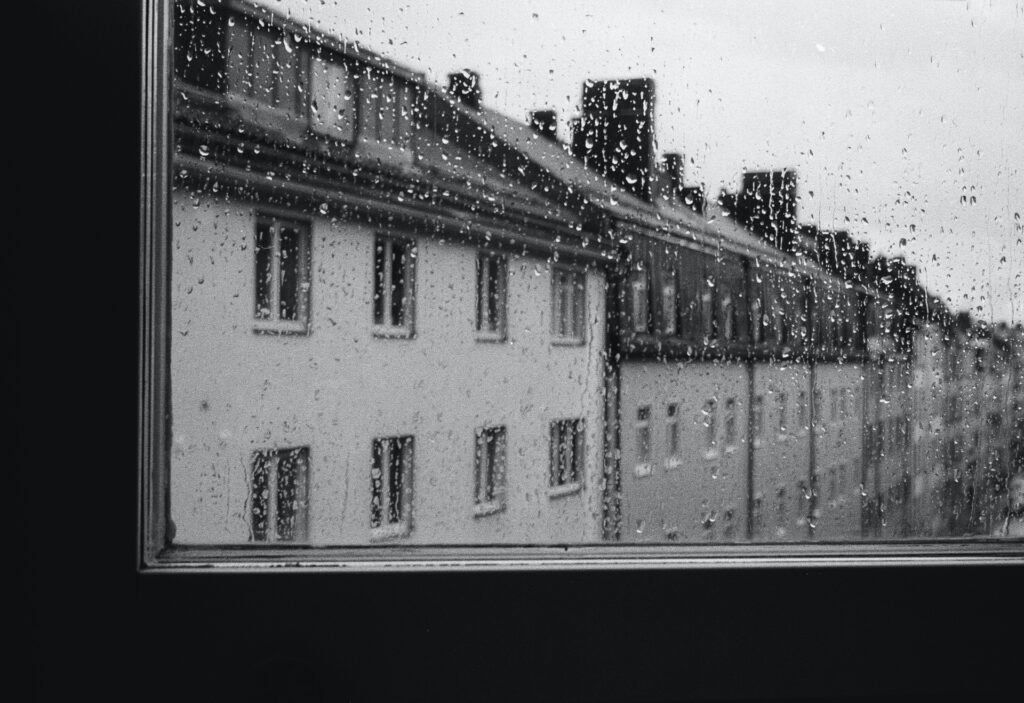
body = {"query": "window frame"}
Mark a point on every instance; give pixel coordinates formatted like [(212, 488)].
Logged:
[(387, 329), (498, 479), (402, 527), (500, 332), (578, 427), (273, 324), (644, 464), (580, 314), (273, 488)]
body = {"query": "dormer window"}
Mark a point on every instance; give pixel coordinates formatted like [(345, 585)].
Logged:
[(332, 101), (385, 115), (267, 67)]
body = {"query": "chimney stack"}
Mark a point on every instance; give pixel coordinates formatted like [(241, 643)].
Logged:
[(767, 205), (545, 123), (464, 86), (616, 133)]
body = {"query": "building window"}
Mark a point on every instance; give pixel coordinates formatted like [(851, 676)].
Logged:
[(758, 418), (567, 456), (491, 295), (282, 275), (730, 425), (728, 314), (643, 441), (783, 410), (332, 104), (385, 114), (672, 435), (568, 305), (639, 286), (491, 444), (279, 500), (267, 67), (834, 405), (391, 485), (669, 309), (801, 410), (394, 278), (709, 326), (710, 413)]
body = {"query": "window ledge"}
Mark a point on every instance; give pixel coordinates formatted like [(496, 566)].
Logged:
[(388, 332), (568, 341), (485, 509), (280, 327), (490, 337), (378, 534), (567, 489)]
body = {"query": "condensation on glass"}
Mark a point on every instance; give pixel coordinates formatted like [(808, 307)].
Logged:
[(403, 314)]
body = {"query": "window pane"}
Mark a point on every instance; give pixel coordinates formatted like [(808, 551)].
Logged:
[(264, 270)]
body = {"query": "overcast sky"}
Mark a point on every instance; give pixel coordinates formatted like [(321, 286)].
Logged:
[(904, 121)]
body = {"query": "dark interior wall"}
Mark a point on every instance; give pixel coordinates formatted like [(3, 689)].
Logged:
[(94, 625)]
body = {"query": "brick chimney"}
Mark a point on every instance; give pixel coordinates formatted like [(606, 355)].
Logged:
[(616, 133), (464, 86), (545, 123)]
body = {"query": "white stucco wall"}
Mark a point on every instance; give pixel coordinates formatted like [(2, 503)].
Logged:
[(335, 389)]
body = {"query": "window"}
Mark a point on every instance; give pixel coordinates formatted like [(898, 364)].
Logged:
[(491, 295), (278, 495), (391, 486), (710, 413), (640, 291), (643, 441), (728, 315), (709, 326), (332, 104), (758, 417), (669, 312), (267, 66), (568, 305), (394, 273), (834, 405), (491, 446), (568, 456), (672, 435), (730, 425), (282, 275), (801, 409), (756, 319), (783, 411), (385, 113)]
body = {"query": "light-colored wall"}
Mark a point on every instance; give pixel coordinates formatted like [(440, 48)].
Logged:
[(679, 500), (838, 452), (334, 390)]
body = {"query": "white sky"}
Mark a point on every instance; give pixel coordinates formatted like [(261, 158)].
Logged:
[(889, 112)]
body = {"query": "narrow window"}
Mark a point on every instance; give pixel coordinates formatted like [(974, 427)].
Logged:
[(801, 408), (672, 435), (394, 276), (709, 326), (710, 428), (758, 417), (643, 441), (640, 287), (332, 103), (730, 424), (282, 275), (279, 501), (567, 454), (669, 313), (781, 399), (568, 305), (491, 295), (755, 319), (728, 317), (491, 445), (391, 484)]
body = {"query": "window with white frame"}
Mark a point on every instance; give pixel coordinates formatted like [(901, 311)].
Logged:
[(332, 102), (278, 499), (568, 305), (266, 65), (391, 486), (568, 455), (282, 275), (710, 413), (394, 272), (491, 295), (643, 441), (730, 425), (672, 449), (489, 483)]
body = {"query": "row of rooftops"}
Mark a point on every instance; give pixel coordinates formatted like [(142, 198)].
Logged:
[(608, 173)]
